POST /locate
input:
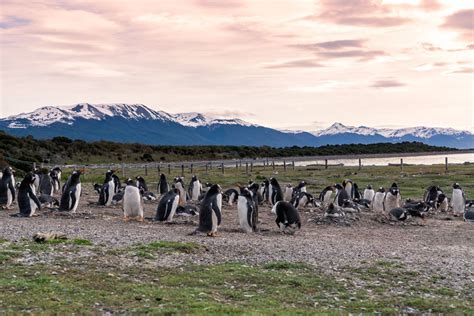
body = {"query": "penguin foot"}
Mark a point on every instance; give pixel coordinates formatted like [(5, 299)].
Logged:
[(126, 219), (140, 219), (212, 234)]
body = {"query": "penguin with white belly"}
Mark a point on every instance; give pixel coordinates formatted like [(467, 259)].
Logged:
[(458, 200), (392, 198), (195, 188), (55, 181), (325, 195), (179, 184), (132, 202), (341, 195), (288, 194), (27, 200), (7, 188), (107, 190), (230, 196), (276, 194), (442, 203), (141, 184), (247, 211), (377, 201), (210, 211), (71, 193), (167, 206), (369, 193)]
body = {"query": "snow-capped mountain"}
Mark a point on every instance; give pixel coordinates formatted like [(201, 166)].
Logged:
[(420, 131), (138, 123)]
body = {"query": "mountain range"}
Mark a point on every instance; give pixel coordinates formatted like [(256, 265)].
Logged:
[(137, 123)]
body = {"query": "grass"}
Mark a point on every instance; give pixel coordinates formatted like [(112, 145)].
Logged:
[(231, 288), (150, 250), (413, 180)]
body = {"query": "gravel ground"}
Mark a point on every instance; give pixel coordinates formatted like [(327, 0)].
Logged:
[(439, 246)]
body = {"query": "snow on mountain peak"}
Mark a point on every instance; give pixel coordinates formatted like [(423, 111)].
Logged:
[(194, 119), (338, 128)]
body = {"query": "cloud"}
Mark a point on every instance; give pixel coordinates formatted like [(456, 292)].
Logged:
[(297, 63), (387, 83), (373, 13), (362, 54), (340, 44), (85, 69), (342, 49), (219, 4), (462, 70), (228, 113), (322, 86), (10, 21), (463, 22)]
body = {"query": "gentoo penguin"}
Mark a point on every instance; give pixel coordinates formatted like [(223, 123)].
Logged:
[(369, 193), (247, 211), (333, 211), (36, 185), (132, 202), (302, 199), (141, 184), (71, 193), (275, 191), (458, 200), (59, 172), (350, 207), (469, 215), (442, 204), (377, 201), (256, 191), (118, 196), (167, 206), (431, 194), (210, 211), (288, 194), (401, 214), (107, 190), (117, 184), (194, 188), (163, 186), (97, 187), (266, 190), (301, 187), (46, 184), (55, 181), (392, 198), (230, 196), (348, 186), (179, 184), (288, 219), (341, 195), (188, 210), (27, 200), (355, 191), (7, 188), (148, 196), (325, 195)]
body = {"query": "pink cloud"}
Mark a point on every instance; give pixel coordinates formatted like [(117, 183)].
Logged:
[(387, 83), (463, 22), (298, 63)]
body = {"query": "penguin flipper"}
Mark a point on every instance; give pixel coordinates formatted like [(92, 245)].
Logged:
[(217, 211), (12, 189), (72, 196)]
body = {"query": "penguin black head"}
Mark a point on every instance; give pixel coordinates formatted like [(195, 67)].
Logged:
[(381, 190), (29, 179), (301, 184), (266, 182), (245, 192), (394, 190), (441, 198), (416, 213), (253, 187), (394, 185), (208, 184), (8, 171), (194, 178), (57, 169), (369, 187), (338, 186), (456, 186), (215, 189), (130, 182), (162, 176), (346, 181), (273, 181), (75, 176), (289, 185)]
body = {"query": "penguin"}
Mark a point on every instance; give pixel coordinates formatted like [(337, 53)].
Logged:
[(288, 194), (132, 202), (46, 185), (341, 195), (355, 191), (350, 207), (117, 184), (266, 190), (107, 190), (71, 193), (58, 171), (27, 200), (188, 210), (325, 195), (458, 200), (36, 174), (333, 211), (194, 188), (47, 200), (431, 194), (167, 206), (377, 201), (55, 180), (141, 184), (301, 187), (148, 196), (247, 211), (401, 214), (256, 192), (210, 211), (230, 196), (348, 186), (469, 215), (302, 199), (118, 196), (97, 187), (288, 219), (163, 186), (276, 194), (179, 184), (392, 198), (369, 193), (7, 188), (442, 203)]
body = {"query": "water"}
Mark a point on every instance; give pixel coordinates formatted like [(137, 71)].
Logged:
[(412, 160)]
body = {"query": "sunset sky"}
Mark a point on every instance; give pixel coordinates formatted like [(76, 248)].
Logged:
[(285, 64)]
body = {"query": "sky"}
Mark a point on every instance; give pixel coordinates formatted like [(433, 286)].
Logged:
[(297, 64)]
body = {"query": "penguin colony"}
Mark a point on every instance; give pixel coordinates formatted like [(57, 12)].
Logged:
[(38, 188)]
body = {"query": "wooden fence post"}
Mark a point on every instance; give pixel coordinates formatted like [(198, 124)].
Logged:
[(293, 165), (247, 168), (222, 166), (207, 166), (325, 163), (284, 165), (191, 167), (446, 165), (146, 170), (169, 169), (251, 166), (182, 170), (273, 164), (360, 163), (401, 164), (123, 169)]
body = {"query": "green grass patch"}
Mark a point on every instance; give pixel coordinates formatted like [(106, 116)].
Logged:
[(285, 265)]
